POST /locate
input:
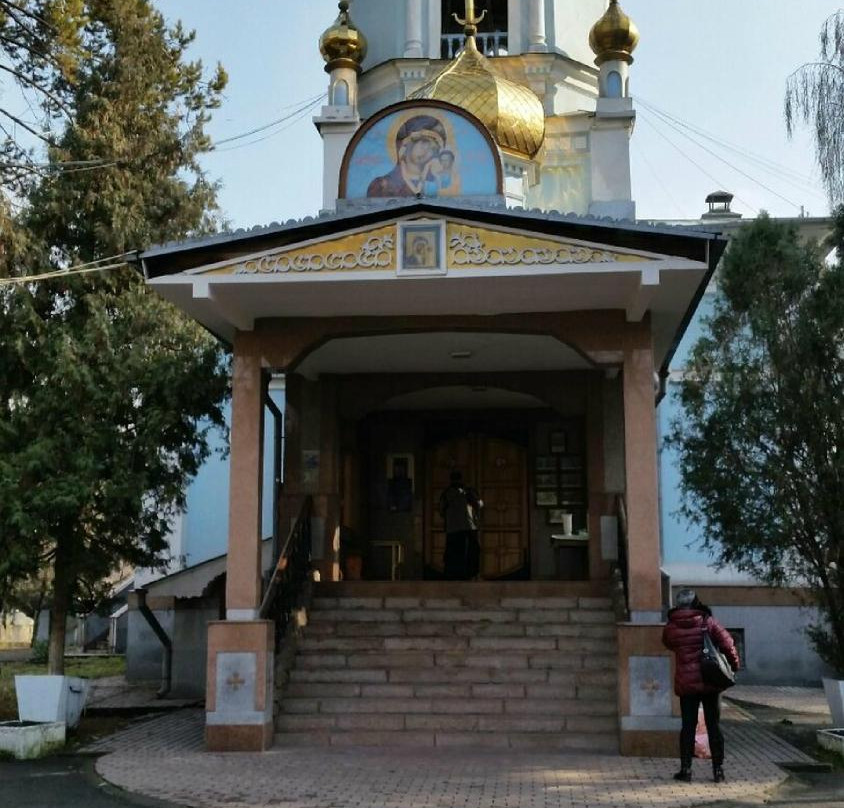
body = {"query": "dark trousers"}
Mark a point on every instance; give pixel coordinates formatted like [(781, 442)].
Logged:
[(712, 714), (462, 556)]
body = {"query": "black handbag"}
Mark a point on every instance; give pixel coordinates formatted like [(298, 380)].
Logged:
[(714, 668)]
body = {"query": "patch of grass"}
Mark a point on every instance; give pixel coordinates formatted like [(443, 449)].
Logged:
[(92, 667)]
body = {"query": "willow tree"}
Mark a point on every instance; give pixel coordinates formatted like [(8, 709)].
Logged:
[(106, 392), (815, 96), (760, 438)]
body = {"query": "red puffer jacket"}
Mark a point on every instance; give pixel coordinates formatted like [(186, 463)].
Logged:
[(683, 634)]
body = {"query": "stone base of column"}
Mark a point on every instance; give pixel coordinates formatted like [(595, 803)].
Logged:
[(649, 712), (239, 694)]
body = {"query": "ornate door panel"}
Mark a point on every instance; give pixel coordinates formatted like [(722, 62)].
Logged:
[(497, 470), (502, 486)]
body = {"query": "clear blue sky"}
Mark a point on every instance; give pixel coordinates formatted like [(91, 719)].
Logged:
[(718, 65)]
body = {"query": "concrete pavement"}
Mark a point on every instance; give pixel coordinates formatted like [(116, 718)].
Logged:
[(163, 758)]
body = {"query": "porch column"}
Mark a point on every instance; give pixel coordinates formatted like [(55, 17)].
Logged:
[(640, 437), (243, 569), (648, 709), (413, 29), (536, 26), (241, 649)]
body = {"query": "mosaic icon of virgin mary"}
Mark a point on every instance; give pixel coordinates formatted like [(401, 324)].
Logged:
[(418, 171)]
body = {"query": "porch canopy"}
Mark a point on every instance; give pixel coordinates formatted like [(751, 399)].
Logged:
[(469, 260)]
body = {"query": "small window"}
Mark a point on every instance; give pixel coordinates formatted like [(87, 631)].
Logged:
[(614, 84), (340, 94), (738, 638), (492, 30)]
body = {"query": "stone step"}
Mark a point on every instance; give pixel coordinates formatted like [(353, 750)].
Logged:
[(467, 690), (456, 674), (395, 722), (574, 742), (350, 629), (514, 707), (485, 615), (465, 601), (394, 661), (361, 645)]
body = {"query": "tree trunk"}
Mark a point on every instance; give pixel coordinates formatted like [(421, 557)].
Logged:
[(36, 617), (62, 597)]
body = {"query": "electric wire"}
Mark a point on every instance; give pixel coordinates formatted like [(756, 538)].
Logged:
[(694, 162), (100, 265), (730, 165), (764, 162), (299, 110), (657, 178)]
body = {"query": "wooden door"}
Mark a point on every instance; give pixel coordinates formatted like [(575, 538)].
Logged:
[(497, 469)]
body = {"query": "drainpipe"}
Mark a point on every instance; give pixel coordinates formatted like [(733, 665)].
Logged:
[(167, 645)]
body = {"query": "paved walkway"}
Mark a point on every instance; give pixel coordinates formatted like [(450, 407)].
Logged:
[(802, 700), (163, 758)]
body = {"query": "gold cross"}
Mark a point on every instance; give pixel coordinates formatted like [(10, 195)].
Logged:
[(470, 23), (235, 681)]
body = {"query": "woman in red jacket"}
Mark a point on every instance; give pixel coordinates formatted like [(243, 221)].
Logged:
[(684, 636)]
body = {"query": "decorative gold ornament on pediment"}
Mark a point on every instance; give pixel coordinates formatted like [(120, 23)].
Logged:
[(476, 247), (358, 252)]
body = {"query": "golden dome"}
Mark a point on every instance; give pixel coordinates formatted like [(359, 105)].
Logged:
[(614, 36), (343, 45), (512, 113)]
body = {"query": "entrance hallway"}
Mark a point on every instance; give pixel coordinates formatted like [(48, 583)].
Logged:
[(354, 777)]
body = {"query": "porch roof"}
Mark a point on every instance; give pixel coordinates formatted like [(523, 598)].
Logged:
[(229, 281)]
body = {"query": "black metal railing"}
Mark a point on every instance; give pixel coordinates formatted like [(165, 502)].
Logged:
[(491, 43), (291, 572), (620, 571)]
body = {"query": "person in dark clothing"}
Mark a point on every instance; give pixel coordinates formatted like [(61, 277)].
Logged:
[(460, 507), (683, 635)]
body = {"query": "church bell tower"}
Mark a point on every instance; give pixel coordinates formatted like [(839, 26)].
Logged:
[(548, 78)]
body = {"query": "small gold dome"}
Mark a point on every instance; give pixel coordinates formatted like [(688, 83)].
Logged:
[(343, 45), (511, 112), (614, 36)]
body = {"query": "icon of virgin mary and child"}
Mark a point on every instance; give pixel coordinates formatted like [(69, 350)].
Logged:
[(424, 166)]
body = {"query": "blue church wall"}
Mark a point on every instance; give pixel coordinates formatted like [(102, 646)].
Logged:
[(681, 540), (206, 520)]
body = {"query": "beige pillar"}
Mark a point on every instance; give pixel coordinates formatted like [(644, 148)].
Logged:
[(243, 571), (640, 439)]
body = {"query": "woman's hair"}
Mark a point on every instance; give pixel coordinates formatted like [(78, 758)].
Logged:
[(686, 598)]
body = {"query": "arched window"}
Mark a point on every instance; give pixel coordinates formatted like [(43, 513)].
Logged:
[(492, 32), (340, 93), (614, 84)]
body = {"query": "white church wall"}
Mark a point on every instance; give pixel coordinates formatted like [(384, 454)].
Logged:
[(568, 25)]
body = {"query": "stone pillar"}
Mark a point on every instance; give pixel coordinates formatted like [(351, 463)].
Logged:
[(413, 29), (536, 26), (239, 689), (640, 454), (243, 571)]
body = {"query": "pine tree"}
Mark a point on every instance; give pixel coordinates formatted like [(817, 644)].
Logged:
[(107, 393)]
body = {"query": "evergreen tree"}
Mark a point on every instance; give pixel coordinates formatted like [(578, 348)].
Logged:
[(761, 436), (106, 392)]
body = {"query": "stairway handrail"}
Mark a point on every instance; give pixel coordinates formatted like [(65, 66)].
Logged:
[(291, 570)]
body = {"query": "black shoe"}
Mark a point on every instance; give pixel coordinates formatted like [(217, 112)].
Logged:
[(684, 775), (718, 774)]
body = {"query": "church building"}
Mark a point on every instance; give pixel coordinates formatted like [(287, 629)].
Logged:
[(476, 300)]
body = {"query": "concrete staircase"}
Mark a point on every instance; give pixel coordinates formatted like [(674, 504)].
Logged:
[(508, 665)]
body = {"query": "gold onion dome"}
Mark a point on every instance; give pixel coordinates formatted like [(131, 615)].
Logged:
[(614, 36), (342, 44), (511, 112)]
